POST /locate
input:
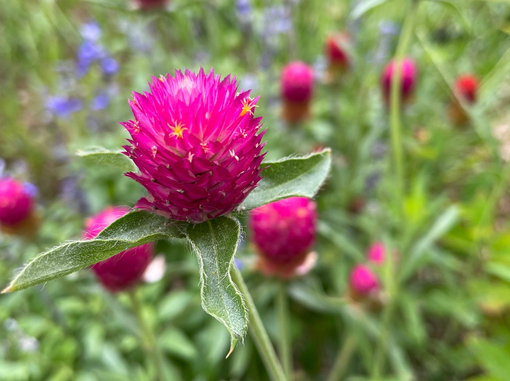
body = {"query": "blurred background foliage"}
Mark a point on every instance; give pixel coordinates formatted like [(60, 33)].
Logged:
[(66, 70)]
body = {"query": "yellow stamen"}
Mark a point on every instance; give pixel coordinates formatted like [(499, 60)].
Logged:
[(178, 130), (247, 106)]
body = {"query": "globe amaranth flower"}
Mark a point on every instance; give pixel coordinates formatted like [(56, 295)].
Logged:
[(124, 270), (17, 208), (362, 281), (194, 139), (150, 4), (466, 89), (377, 253), (337, 53), (297, 82), (283, 233), (408, 72)]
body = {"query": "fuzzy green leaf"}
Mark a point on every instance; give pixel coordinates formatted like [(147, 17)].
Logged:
[(131, 230), (290, 177), (215, 243), (100, 155)]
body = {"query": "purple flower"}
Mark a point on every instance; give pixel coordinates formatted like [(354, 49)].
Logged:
[(88, 52), (100, 102), (109, 65), (30, 189), (91, 31), (62, 106)]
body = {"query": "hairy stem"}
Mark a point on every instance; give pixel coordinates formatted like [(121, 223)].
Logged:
[(284, 344), (258, 332)]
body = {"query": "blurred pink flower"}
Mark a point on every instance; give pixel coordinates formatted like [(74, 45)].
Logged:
[(376, 253), (408, 79), (363, 281), (124, 270), (283, 233), (16, 204)]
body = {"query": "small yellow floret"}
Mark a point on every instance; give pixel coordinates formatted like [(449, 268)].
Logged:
[(177, 130), (247, 106)]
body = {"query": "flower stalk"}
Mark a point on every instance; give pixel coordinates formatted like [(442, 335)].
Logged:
[(258, 332), (284, 344)]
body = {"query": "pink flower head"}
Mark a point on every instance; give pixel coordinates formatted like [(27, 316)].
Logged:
[(150, 4), (466, 86), (194, 139), (376, 253), (297, 82), (363, 281), (336, 50), (408, 78), (284, 231), (16, 203), (125, 269)]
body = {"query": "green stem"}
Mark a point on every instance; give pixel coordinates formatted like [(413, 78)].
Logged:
[(344, 355), (395, 100), (258, 332), (148, 338), (284, 344)]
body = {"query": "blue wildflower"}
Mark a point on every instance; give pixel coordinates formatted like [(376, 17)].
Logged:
[(62, 106), (91, 31), (100, 102), (30, 189), (109, 65), (88, 52)]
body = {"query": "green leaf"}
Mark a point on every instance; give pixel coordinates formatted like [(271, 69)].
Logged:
[(290, 177), (442, 225), (100, 155), (364, 6), (131, 230), (215, 243)]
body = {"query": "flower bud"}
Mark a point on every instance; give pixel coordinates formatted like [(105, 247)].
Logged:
[(296, 91), (150, 4), (17, 208), (363, 281), (407, 81), (283, 233), (196, 143), (466, 88), (124, 270), (376, 253), (337, 53)]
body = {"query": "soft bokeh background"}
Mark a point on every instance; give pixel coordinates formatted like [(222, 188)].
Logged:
[(66, 70)]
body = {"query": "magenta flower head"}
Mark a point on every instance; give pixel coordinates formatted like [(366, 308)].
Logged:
[(194, 139), (283, 233), (16, 204), (124, 270), (296, 91), (17, 208), (297, 82), (363, 281), (408, 79), (376, 253)]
